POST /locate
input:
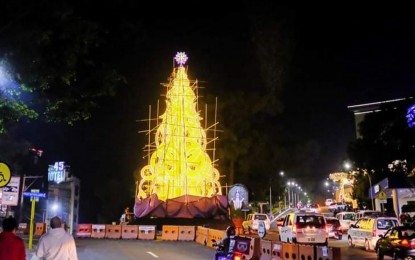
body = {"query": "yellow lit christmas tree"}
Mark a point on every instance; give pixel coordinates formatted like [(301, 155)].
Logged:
[(179, 165)]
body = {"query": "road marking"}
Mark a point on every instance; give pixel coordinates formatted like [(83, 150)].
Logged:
[(152, 254)]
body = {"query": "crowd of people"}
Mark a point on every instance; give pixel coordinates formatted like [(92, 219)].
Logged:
[(55, 244)]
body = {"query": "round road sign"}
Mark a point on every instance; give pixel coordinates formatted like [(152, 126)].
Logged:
[(261, 229), (5, 175)]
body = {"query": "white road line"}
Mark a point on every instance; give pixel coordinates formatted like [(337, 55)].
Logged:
[(152, 254)]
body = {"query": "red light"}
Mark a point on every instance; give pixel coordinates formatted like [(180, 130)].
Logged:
[(373, 233), (295, 227), (405, 243)]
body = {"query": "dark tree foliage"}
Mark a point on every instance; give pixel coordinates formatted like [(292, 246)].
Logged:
[(386, 137), (55, 61)]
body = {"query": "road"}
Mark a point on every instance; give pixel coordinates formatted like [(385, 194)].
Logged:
[(107, 249)]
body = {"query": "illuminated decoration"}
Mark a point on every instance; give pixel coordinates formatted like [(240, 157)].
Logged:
[(410, 116), (344, 179), (181, 58), (178, 163)]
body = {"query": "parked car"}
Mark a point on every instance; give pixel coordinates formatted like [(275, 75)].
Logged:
[(304, 227), (334, 228), (366, 231), (345, 218), (253, 220), (398, 242)]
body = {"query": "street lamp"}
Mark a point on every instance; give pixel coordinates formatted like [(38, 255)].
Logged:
[(370, 187)]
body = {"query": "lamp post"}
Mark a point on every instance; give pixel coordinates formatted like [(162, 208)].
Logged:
[(289, 194), (371, 190)]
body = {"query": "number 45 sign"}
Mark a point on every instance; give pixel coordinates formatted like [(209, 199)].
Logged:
[(56, 172)]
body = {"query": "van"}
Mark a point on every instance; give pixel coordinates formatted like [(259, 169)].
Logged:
[(345, 219), (366, 231), (365, 213), (304, 227)]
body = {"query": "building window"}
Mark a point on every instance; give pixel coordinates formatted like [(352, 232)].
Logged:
[(76, 190), (75, 203)]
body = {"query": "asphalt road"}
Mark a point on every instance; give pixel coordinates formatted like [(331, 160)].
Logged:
[(108, 249)]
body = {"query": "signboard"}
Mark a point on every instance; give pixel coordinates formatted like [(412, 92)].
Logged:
[(34, 194), (382, 195), (5, 175), (56, 172), (238, 196), (10, 193), (383, 201), (242, 245), (261, 229)]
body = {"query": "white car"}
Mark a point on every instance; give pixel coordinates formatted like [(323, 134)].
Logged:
[(253, 220), (304, 227), (345, 218)]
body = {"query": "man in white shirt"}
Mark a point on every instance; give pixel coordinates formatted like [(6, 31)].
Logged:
[(56, 244)]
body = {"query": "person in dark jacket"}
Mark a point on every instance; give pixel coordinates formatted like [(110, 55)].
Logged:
[(227, 243), (12, 247)]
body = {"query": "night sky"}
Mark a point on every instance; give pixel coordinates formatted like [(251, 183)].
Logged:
[(342, 56)]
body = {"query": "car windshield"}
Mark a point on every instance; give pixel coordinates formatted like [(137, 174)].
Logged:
[(260, 217), (310, 220)]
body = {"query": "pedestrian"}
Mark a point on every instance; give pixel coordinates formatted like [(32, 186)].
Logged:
[(56, 243), (11, 246)]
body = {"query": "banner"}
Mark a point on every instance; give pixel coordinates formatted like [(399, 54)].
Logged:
[(10, 194)]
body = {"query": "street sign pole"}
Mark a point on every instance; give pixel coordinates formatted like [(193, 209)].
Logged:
[(32, 220), (34, 196)]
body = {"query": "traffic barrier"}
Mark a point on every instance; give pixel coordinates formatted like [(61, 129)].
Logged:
[(202, 235), (40, 229), (186, 233), (306, 252), (170, 233), (243, 246), (289, 251), (146, 232), (113, 231), (328, 253), (84, 230), (98, 231), (21, 229), (254, 248), (276, 247), (216, 235), (129, 231), (265, 250)]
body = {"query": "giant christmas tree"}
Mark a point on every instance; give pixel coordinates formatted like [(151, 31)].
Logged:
[(179, 165)]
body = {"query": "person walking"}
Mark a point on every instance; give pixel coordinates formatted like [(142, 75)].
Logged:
[(11, 246), (56, 244)]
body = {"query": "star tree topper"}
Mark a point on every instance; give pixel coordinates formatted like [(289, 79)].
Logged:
[(181, 58)]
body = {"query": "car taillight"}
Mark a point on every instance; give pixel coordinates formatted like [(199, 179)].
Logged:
[(407, 243), (326, 228), (295, 227)]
